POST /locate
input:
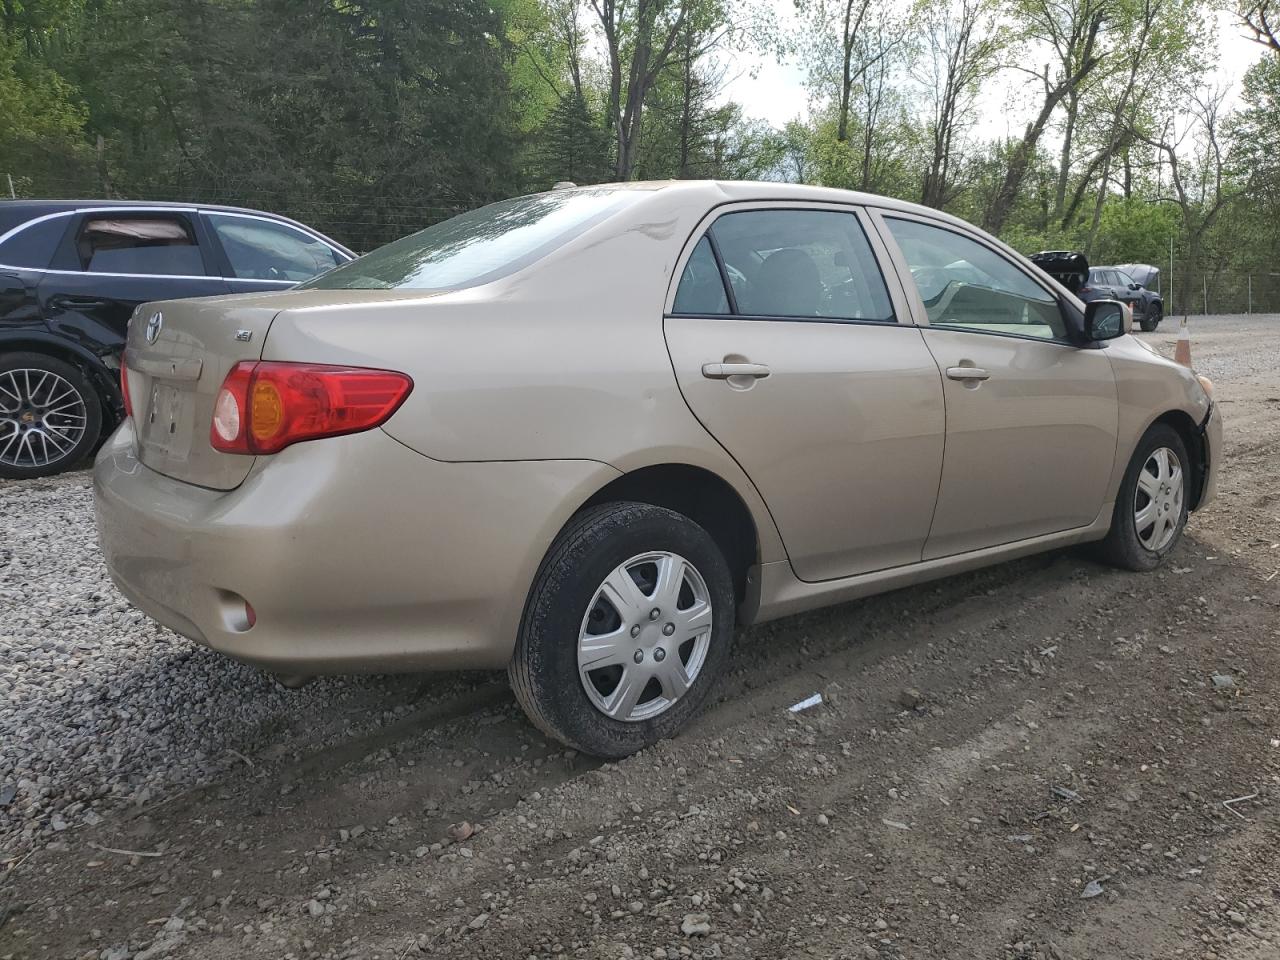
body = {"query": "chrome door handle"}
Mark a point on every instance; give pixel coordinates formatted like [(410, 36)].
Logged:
[(723, 371), (967, 373)]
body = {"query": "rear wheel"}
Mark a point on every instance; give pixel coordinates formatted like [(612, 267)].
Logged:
[(626, 630), (1151, 509), (1152, 318), (50, 416)]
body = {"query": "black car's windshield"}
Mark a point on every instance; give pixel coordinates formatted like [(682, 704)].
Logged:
[(480, 245)]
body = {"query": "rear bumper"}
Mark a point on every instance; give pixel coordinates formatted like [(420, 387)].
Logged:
[(357, 554)]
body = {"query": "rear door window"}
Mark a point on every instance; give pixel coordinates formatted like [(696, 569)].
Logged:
[(258, 249), (801, 264), (701, 289), (151, 245)]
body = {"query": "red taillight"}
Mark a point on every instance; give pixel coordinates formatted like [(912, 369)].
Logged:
[(265, 406), (124, 387)]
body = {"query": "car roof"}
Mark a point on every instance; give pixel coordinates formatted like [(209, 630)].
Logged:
[(729, 191), (14, 213)]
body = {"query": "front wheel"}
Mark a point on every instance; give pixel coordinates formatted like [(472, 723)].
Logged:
[(627, 627), (1151, 509), (50, 416)]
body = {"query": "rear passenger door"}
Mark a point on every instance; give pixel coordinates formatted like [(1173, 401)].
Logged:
[(793, 351), (111, 260)]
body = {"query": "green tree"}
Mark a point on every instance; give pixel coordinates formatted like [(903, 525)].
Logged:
[(572, 145), (42, 118)]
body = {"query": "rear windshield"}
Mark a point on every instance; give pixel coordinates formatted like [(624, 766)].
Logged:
[(480, 245)]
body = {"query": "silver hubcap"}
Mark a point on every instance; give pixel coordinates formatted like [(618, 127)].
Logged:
[(1157, 503), (42, 418), (645, 636)]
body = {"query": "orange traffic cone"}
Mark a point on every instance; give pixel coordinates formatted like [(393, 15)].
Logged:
[(1182, 351)]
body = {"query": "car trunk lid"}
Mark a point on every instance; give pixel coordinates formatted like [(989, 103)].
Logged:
[(174, 380)]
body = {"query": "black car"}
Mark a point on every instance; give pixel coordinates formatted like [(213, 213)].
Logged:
[(71, 274), (1071, 269), (1116, 283)]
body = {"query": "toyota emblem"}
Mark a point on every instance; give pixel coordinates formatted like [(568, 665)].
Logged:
[(153, 327)]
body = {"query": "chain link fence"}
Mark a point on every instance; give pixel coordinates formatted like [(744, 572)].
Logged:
[(1218, 291)]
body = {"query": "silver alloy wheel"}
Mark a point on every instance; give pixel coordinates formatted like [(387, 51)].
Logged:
[(1157, 501), (42, 417), (645, 636)]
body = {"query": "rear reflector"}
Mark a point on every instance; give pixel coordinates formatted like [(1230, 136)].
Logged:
[(264, 406)]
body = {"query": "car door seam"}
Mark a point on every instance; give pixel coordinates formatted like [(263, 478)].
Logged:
[(942, 464), (675, 376)]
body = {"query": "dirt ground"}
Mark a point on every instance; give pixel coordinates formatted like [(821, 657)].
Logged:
[(991, 750)]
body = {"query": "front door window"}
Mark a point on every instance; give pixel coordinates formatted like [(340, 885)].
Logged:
[(967, 285)]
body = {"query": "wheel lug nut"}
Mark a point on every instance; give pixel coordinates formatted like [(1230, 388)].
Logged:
[(668, 629), (659, 654), (635, 631), (639, 656), (655, 613)]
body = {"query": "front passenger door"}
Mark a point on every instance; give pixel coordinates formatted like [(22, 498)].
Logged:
[(1031, 418)]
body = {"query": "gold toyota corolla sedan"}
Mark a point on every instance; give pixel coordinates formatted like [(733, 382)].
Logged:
[(582, 435)]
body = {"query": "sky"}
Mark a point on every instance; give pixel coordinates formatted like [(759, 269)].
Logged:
[(774, 91)]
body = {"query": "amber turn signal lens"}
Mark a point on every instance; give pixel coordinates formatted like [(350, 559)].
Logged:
[(1206, 383), (267, 412)]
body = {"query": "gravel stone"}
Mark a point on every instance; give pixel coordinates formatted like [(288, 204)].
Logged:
[(100, 706), (695, 925)]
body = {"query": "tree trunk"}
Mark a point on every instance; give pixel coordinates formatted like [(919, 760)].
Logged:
[(1019, 161), (1064, 160), (686, 106)]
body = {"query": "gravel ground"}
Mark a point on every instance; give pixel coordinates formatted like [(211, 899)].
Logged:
[(1028, 762), (102, 709)]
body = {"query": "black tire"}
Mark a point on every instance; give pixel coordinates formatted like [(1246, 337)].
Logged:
[(1123, 546), (84, 392), (544, 670), (1152, 319)]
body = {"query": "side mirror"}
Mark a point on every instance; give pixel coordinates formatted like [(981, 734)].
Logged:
[(1104, 320), (1135, 286)]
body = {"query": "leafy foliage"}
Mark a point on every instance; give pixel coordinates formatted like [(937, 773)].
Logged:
[(372, 118)]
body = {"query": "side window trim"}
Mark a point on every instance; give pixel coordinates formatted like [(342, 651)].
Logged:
[(898, 300), (878, 216), (730, 294)]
